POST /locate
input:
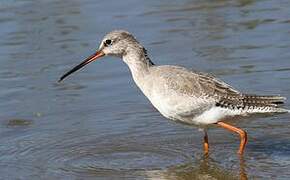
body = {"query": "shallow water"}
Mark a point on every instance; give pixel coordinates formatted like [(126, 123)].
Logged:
[(97, 124)]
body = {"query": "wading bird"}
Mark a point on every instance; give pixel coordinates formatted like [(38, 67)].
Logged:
[(180, 94)]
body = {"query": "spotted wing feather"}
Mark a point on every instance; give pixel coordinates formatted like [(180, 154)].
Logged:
[(230, 98)]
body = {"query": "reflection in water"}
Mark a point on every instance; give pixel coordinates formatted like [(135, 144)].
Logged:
[(243, 173), (206, 168)]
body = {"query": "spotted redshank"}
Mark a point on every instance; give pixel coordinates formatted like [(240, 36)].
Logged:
[(180, 94)]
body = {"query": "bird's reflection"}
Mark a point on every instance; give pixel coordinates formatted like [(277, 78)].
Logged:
[(205, 168), (243, 174)]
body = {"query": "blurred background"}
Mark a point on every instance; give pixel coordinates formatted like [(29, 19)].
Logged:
[(97, 124)]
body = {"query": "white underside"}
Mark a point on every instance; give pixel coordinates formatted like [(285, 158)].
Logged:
[(216, 114), (198, 113)]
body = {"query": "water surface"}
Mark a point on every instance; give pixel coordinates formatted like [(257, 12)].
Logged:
[(97, 124)]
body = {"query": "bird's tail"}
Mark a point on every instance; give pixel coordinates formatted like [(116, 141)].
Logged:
[(271, 104)]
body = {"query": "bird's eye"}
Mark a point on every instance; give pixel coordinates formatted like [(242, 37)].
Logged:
[(108, 42)]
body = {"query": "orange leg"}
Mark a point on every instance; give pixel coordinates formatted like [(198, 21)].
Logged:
[(205, 143), (242, 133)]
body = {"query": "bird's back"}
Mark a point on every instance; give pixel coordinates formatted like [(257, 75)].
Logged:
[(192, 93)]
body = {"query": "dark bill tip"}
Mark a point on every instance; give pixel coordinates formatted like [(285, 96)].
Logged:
[(88, 60)]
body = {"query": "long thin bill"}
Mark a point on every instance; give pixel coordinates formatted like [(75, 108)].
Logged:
[(90, 59)]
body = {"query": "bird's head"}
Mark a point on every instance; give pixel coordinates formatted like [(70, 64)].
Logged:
[(116, 43)]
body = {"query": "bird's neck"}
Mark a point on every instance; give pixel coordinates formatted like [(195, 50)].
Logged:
[(138, 62)]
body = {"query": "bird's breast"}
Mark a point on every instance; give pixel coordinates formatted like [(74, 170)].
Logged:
[(175, 106), (171, 103)]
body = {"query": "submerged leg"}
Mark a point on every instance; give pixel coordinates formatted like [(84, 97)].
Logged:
[(242, 133), (205, 142)]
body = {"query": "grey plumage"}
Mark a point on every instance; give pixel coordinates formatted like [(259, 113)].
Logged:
[(202, 85)]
